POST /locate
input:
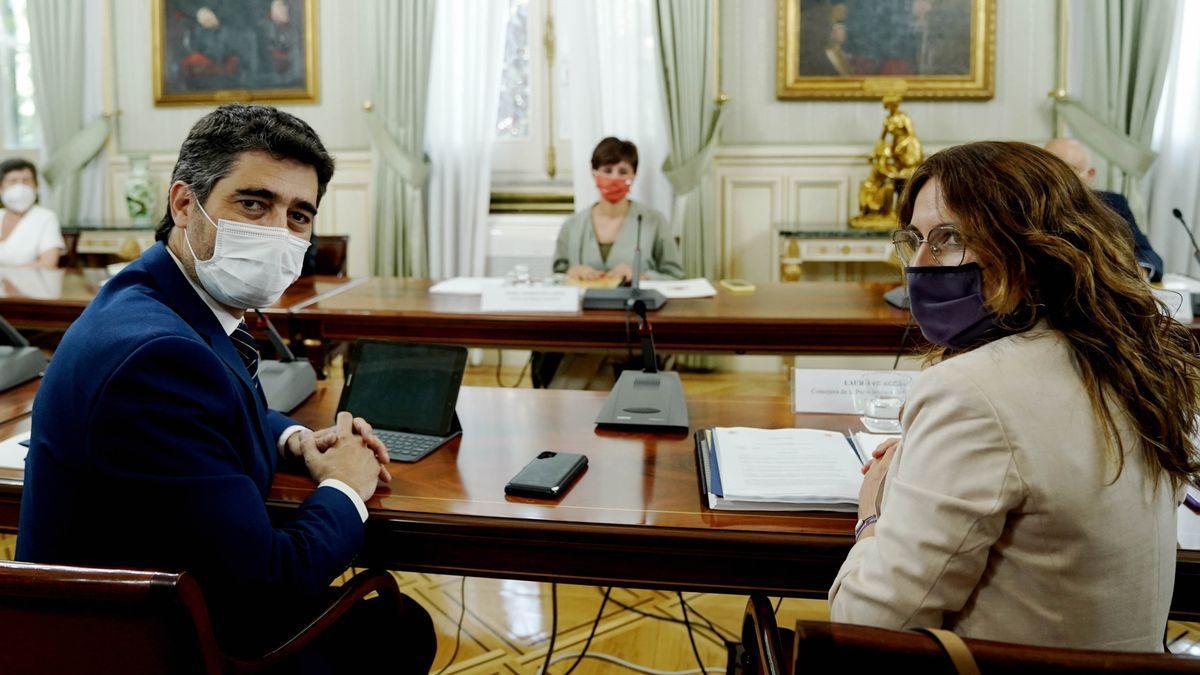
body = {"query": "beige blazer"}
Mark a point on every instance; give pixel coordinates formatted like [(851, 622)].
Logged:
[(998, 520)]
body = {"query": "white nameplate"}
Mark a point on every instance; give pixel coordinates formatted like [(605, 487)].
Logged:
[(840, 392), (534, 299)]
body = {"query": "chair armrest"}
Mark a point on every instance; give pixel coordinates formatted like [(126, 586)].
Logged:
[(350, 593), (760, 638)]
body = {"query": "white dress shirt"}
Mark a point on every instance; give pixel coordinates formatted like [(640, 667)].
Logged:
[(229, 323), (35, 233)]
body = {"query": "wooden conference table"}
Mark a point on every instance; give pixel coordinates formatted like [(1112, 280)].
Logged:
[(776, 319), (52, 299), (793, 318), (634, 518)]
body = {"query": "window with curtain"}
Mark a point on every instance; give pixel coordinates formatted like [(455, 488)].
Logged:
[(530, 123), (18, 116)]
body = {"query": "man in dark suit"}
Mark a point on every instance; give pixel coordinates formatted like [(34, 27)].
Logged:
[(152, 445), (1076, 156)]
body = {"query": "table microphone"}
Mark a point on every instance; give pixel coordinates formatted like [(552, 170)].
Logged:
[(1183, 223), (646, 333), (636, 282)]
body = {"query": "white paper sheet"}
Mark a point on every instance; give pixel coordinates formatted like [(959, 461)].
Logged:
[(681, 288), (807, 466), (465, 285), (531, 299), (866, 443), (12, 453)]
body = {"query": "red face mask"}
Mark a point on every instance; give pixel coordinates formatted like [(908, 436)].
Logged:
[(612, 188)]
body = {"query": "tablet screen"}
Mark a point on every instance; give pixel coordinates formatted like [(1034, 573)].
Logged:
[(405, 387)]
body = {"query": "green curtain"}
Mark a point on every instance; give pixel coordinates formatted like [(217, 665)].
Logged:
[(1125, 59), (694, 124), (56, 43), (401, 45), (694, 118)]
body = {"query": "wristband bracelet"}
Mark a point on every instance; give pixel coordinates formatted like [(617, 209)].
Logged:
[(864, 524)]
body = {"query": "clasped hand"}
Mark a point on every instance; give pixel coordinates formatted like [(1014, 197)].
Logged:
[(349, 451), (587, 273), (874, 470)]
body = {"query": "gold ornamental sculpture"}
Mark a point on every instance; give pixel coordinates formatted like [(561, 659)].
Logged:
[(897, 154)]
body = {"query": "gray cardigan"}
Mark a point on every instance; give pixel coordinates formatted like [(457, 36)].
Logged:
[(661, 258)]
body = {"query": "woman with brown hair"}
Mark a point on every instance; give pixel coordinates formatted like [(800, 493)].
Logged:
[(1033, 496), (599, 241)]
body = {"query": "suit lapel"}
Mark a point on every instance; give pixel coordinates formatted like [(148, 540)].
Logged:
[(199, 316)]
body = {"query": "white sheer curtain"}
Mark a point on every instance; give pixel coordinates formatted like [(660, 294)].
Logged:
[(1175, 178), (460, 128), (611, 57), (93, 198)]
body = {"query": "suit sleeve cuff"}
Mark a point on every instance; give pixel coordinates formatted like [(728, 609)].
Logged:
[(287, 433), (346, 490)]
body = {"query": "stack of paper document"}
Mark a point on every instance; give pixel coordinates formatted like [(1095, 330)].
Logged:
[(779, 469), (681, 288)]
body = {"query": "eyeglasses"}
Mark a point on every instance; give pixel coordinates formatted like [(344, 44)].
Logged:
[(944, 242)]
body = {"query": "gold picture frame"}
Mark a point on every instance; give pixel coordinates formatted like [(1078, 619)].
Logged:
[(811, 62), (194, 64)]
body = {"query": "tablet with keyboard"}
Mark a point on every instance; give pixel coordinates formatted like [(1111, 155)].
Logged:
[(407, 392)]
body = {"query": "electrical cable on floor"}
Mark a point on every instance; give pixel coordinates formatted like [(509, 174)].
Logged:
[(500, 364), (600, 656), (553, 627), (660, 617), (777, 604), (711, 626), (462, 612), (691, 636), (595, 625)]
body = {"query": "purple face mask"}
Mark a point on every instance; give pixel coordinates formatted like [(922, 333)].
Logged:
[(947, 303)]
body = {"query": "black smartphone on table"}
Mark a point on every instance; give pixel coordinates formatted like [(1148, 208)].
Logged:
[(548, 475)]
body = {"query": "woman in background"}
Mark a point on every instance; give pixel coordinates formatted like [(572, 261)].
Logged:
[(599, 241), (1033, 496), (29, 234)]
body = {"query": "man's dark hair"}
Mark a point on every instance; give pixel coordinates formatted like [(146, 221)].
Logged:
[(613, 150), (17, 164), (214, 144)]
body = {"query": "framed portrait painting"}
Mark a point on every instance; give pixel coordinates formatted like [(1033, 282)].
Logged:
[(836, 49), (214, 51)]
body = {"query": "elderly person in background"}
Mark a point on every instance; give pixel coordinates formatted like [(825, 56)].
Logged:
[(1076, 156), (29, 234)]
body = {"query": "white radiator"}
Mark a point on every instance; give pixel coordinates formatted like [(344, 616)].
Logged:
[(522, 239)]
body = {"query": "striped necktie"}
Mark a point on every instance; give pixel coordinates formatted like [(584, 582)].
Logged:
[(243, 341)]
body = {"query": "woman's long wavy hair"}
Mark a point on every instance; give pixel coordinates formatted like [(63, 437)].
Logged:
[(1051, 250)]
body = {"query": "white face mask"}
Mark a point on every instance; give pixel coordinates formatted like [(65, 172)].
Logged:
[(251, 265), (18, 197)]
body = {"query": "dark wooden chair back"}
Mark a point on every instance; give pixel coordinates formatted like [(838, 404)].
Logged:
[(59, 619), (820, 647), (331, 254), (80, 620)]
